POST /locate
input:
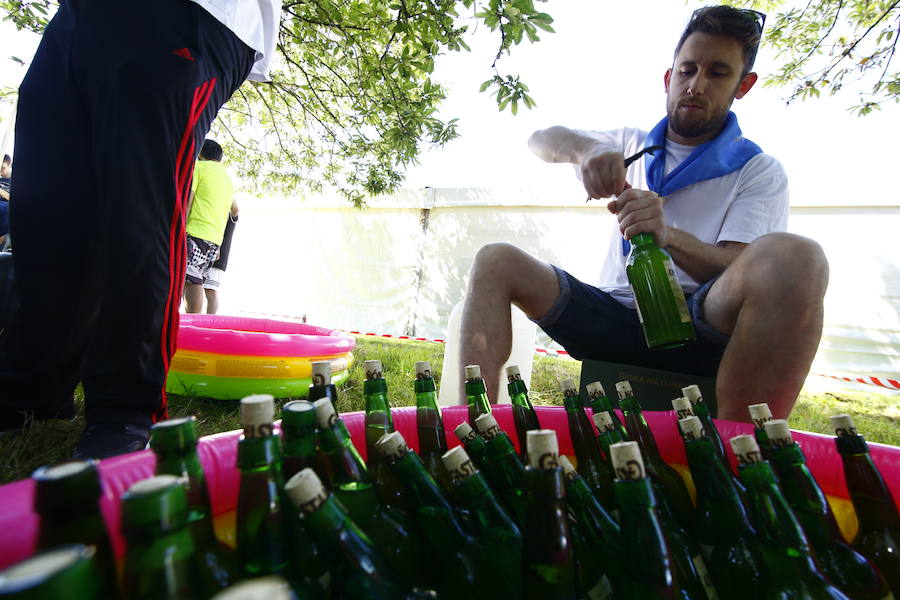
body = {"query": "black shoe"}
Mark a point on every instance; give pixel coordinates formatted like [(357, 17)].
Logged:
[(102, 440)]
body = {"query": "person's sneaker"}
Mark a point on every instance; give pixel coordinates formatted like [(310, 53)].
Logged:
[(102, 440)]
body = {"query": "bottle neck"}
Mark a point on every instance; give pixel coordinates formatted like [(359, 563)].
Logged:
[(713, 482), (426, 400), (599, 404), (776, 523), (424, 385), (410, 470), (643, 240), (317, 392), (572, 403), (259, 453), (377, 402), (516, 387), (360, 500), (500, 445), (635, 494)]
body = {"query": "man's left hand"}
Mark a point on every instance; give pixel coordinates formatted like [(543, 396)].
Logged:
[(640, 211)]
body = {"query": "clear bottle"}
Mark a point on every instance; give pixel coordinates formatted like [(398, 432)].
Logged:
[(495, 529), (660, 302), (159, 559), (792, 570), (591, 464), (878, 536), (599, 402), (502, 466), (174, 442), (430, 425), (66, 571), (476, 394), (849, 570), (524, 415), (67, 501), (549, 563)]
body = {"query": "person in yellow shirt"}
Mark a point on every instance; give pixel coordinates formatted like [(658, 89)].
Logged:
[(209, 206)]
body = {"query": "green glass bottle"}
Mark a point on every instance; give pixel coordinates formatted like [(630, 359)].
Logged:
[(549, 557), (430, 425), (649, 570), (378, 423), (461, 574), (845, 567), (359, 569), (666, 479), (476, 394), (760, 415), (878, 536), (321, 387), (472, 442), (658, 296), (159, 560), (702, 412), (599, 402), (792, 571), (174, 442), (339, 461), (598, 547), (495, 529), (607, 435), (298, 432), (263, 542), (727, 540), (67, 501), (524, 415), (67, 571), (591, 465), (504, 471)]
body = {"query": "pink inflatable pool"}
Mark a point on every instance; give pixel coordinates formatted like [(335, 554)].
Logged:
[(218, 454)]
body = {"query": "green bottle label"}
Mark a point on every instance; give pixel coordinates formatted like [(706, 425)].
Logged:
[(705, 577), (677, 292)]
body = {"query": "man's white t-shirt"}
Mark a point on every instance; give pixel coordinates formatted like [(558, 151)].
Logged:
[(254, 22), (738, 207)]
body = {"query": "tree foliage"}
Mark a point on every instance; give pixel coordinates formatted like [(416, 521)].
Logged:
[(830, 46), (354, 97)]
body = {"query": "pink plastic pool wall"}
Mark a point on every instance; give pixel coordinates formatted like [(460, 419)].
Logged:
[(218, 454)]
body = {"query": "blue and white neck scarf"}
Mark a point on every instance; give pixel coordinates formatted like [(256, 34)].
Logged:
[(727, 152)]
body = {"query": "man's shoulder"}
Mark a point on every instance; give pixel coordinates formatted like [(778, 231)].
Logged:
[(763, 164)]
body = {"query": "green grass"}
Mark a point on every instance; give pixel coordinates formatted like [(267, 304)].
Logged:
[(876, 415)]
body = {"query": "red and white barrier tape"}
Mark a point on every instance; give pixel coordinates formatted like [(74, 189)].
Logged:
[(890, 384)]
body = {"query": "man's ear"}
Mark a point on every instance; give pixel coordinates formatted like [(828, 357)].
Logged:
[(745, 85), (666, 79)]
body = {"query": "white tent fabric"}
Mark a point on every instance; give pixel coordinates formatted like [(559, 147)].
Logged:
[(400, 265)]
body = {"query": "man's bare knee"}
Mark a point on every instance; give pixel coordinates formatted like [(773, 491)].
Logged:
[(792, 267), (504, 269)]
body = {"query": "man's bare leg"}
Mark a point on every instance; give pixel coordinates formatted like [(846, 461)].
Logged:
[(193, 297), (501, 275), (212, 301), (770, 300)]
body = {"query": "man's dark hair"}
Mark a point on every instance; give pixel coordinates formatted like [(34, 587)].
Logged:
[(211, 150), (742, 25), (7, 159)]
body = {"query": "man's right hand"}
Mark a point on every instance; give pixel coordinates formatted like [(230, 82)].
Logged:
[(603, 173)]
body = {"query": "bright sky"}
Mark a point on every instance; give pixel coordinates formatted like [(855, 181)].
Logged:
[(603, 69)]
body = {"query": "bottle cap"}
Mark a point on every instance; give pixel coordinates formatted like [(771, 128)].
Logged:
[(72, 483), (473, 372), (595, 389), (458, 464), (373, 369), (746, 449), (627, 461), (692, 393), (843, 425), (513, 374), (298, 418), (306, 491), (487, 426), (321, 373), (779, 433), (569, 471), (270, 587), (568, 387), (157, 503), (42, 567), (682, 407), (257, 414), (543, 449), (423, 369), (180, 434), (603, 421), (760, 414), (392, 445), (624, 390), (691, 428), (326, 416), (465, 433)]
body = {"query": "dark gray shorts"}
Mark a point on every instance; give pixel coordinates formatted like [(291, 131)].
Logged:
[(591, 324)]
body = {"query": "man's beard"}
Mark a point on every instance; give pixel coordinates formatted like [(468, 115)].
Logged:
[(689, 128)]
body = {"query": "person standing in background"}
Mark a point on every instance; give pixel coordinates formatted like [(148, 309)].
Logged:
[(209, 208), (213, 280)]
